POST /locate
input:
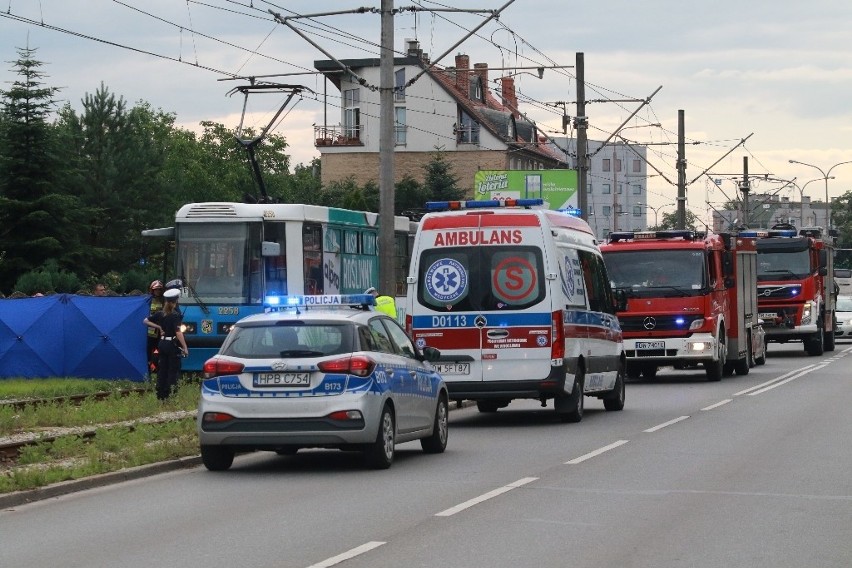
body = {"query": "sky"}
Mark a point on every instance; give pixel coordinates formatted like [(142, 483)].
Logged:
[(775, 73)]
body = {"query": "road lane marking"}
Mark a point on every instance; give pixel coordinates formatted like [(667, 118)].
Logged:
[(718, 404), (348, 555), (597, 452), (776, 379), (485, 497), (785, 381), (664, 424)]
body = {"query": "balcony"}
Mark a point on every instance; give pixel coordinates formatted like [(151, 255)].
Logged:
[(337, 135)]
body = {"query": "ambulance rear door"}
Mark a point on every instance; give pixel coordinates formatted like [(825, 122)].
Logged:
[(482, 297)]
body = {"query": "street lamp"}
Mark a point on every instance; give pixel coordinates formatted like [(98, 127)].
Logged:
[(825, 177), (802, 199), (655, 210)]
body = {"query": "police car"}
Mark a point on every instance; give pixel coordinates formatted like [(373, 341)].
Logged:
[(320, 372)]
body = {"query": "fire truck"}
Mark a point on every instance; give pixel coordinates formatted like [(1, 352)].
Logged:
[(796, 292), (691, 300)]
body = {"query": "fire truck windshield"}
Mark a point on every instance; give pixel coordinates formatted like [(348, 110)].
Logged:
[(782, 265), (657, 272)]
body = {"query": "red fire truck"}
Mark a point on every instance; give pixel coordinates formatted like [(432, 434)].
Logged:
[(796, 292), (691, 299)]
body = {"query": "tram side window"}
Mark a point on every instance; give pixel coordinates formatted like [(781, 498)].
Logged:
[(276, 266), (312, 258)]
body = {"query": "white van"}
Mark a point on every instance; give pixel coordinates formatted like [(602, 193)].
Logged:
[(519, 304)]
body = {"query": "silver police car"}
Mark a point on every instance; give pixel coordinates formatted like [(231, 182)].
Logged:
[(320, 372)]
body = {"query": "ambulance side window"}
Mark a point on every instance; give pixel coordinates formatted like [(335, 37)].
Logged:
[(597, 285)]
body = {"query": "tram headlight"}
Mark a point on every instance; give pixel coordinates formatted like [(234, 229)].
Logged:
[(189, 328)]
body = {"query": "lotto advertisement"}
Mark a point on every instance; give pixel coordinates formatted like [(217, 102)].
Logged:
[(558, 188)]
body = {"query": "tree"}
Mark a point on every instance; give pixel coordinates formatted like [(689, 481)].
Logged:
[(693, 223), (39, 215), (440, 182)]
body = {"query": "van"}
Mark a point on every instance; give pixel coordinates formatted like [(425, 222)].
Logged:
[(843, 279), (518, 302)]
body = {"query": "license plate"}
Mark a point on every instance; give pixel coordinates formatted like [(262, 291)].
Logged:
[(650, 345), (282, 379), (768, 316), (452, 368)]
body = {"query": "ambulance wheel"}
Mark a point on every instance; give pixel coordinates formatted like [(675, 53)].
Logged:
[(614, 400), (569, 407), (379, 454), (436, 443), (491, 405), (217, 458)]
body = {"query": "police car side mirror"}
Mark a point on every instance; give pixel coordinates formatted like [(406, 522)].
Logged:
[(431, 354)]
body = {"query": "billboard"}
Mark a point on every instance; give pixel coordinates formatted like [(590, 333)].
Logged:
[(558, 188)]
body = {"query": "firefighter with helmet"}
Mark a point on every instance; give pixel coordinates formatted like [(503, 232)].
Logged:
[(156, 290)]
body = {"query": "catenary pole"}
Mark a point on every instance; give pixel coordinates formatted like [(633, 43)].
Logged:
[(387, 284)]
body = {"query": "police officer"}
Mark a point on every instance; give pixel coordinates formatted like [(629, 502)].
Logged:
[(384, 304), (172, 344)]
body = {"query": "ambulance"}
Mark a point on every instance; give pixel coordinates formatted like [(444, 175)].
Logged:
[(518, 301)]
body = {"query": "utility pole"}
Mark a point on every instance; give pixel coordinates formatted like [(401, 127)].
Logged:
[(745, 186), (387, 256), (681, 171), (581, 125)]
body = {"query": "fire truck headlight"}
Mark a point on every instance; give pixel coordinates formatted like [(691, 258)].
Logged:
[(696, 324), (697, 346), (807, 310)]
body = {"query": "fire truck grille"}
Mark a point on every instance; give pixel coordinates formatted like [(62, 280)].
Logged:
[(657, 323), (783, 292)]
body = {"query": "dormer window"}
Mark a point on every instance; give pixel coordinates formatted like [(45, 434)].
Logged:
[(511, 128), (467, 129)]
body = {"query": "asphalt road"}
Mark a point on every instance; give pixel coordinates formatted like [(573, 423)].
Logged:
[(750, 471)]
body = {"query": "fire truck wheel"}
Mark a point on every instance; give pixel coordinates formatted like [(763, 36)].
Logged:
[(829, 340), (649, 372), (715, 369), (815, 344), (569, 408)]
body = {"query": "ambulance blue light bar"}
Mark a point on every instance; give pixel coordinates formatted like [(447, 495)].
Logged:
[(477, 204), (284, 303)]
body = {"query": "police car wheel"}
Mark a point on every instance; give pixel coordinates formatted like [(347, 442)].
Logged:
[(379, 454), (436, 443), (217, 458), (287, 450)]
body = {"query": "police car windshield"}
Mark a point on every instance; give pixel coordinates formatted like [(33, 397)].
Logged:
[(290, 340)]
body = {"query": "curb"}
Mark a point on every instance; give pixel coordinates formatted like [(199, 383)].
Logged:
[(18, 498)]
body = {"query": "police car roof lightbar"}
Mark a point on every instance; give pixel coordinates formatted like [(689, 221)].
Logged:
[(282, 303), (477, 204)]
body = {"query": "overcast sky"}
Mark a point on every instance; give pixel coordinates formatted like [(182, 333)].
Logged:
[(779, 71)]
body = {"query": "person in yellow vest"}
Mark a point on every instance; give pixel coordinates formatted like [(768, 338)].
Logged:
[(384, 304)]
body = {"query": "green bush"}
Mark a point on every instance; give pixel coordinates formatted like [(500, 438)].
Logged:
[(48, 279)]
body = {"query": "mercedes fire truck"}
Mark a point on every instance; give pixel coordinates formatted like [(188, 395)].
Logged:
[(691, 300)]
